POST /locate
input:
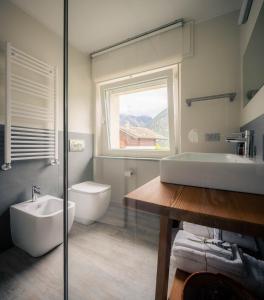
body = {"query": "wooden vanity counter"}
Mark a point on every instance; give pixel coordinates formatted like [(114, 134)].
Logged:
[(234, 211)]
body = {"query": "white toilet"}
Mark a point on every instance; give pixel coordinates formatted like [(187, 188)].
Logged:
[(91, 201)]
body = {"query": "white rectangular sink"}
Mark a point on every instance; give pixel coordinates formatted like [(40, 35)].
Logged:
[(214, 170)]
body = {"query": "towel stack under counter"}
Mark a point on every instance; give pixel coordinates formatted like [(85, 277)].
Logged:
[(199, 248), (244, 241)]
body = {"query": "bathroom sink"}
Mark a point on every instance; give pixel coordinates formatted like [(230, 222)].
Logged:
[(214, 170), (37, 226)]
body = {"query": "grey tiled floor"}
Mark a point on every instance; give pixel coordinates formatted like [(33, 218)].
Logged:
[(105, 262)]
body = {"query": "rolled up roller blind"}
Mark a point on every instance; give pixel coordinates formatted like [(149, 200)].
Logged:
[(166, 48)]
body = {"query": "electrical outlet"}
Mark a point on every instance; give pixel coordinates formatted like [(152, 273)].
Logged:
[(76, 145), (212, 137)]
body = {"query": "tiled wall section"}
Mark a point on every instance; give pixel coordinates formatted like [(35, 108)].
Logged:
[(15, 184), (258, 126)]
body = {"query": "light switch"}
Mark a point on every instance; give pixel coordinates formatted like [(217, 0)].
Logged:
[(212, 137), (76, 145)]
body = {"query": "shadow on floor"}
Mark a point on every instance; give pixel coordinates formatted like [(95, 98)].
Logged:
[(105, 263)]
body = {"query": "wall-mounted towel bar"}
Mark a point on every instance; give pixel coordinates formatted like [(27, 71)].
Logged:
[(31, 108), (230, 96)]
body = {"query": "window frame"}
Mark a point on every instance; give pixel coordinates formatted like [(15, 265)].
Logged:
[(103, 146)]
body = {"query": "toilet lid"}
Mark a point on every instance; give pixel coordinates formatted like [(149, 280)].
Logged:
[(90, 187)]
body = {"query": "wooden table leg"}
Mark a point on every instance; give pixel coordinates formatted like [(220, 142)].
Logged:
[(163, 258)]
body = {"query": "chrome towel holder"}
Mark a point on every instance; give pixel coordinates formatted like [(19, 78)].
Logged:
[(230, 96)]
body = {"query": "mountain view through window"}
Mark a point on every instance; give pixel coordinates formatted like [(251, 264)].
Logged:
[(139, 118)]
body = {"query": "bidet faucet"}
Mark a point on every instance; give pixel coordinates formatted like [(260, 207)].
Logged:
[(35, 192), (245, 138)]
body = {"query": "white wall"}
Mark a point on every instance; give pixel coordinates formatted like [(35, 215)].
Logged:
[(255, 107), (27, 34), (80, 93), (214, 69)]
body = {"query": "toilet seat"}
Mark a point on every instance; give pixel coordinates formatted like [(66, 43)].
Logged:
[(90, 187)]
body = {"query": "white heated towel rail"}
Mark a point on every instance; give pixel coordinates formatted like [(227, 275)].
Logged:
[(30, 108)]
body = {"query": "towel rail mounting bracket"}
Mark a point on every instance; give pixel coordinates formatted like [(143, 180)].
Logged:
[(6, 166)]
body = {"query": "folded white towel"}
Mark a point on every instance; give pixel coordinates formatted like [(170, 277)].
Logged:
[(243, 241), (198, 230), (189, 240), (234, 268), (189, 260), (192, 255)]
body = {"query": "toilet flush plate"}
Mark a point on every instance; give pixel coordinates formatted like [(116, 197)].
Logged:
[(76, 145)]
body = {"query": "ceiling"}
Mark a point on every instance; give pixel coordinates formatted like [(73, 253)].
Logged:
[(94, 24)]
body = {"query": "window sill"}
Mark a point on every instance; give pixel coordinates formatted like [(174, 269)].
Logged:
[(128, 158)]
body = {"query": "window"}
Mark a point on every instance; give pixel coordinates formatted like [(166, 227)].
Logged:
[(138, 115)]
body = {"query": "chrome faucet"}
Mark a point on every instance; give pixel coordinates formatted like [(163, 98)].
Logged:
[(35, 192), (246, 139)]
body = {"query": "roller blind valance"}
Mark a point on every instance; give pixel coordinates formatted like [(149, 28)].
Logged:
[(164, 49)]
